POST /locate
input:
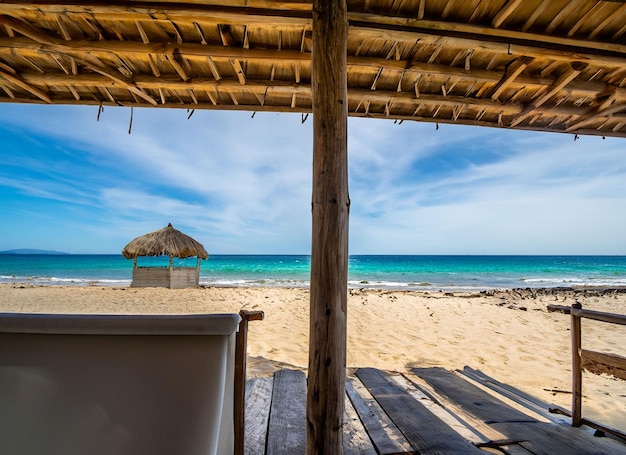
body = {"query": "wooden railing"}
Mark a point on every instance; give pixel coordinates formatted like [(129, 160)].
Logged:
[(241, 355), (592, 361)]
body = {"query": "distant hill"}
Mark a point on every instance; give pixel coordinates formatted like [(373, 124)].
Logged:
[(27, 251)]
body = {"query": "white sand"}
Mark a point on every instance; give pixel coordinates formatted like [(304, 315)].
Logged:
[(508, 335)]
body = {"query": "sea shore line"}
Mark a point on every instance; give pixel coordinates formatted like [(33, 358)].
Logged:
[(506, 333)]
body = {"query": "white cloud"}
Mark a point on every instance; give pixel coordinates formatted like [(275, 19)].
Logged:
[(244, 184), (546, 195)]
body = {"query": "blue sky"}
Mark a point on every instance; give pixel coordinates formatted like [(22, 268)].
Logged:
[(241, 184)]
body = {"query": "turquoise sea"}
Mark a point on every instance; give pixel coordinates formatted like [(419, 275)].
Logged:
[(427, 273)]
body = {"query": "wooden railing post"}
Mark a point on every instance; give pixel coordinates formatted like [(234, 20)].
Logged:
[(577, 372), (241, 356)]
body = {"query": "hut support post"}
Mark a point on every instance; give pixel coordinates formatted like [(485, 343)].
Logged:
[(330, 212), (171, 275)]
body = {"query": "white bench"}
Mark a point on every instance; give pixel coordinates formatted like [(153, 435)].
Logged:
[(117, 384)]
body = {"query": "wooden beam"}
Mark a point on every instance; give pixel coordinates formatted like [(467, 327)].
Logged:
[(266, 12), (438, 49), (330, 212), (616, 131), (236, 64), (477, 11), (449, 7), (159, 48), (615, 15), (513, 70), (28, 30), (565, 79), (604, 109), (233, 98), (153, 65), (611, 318), (225, 35), (7, 91), (7, 68), (478, 33), (201, 33), (95, 65), (288, 88), (602, 363), (177, 66), (375, 81), (505, 12), (190, 49), (74, 92), (108, 95), (498, 40), (585, 17), (302, 17), (216, 74), (64, 32), (619, 33), (179, 37), (18, 82), (214, 52), (87, 60), (73, 66), (142, 32), (560, 17)]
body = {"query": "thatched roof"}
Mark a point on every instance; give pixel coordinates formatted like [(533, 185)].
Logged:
[(164, 242), (545, 65)]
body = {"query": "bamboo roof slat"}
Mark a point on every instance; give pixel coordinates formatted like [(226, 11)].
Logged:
[(526, 64)]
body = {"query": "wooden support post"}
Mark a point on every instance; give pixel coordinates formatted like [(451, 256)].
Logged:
[(241, 356), (330, 211), (577, 372)]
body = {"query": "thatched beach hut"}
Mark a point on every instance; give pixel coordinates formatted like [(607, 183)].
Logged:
[(165, 242)]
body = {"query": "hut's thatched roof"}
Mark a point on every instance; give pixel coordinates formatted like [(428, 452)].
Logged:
[(545, 65), (165, 242)]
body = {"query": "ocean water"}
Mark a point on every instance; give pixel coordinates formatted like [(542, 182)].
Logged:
[(427, 273)]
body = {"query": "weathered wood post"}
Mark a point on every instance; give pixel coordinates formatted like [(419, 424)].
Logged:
[(241, 361), (330, 210), (577, 372)]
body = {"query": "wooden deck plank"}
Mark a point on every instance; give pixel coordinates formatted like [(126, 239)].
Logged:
[(387, 438), (507, 447), (533, 403), (541, 438), (465, 429), (484, 432), (426, 432), (286, 434), (258, 402), (355, 438), (276, 417)]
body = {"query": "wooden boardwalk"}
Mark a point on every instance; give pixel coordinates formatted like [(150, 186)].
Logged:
[(424, 411)]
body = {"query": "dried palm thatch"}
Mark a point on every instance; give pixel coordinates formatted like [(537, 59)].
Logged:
[(544, 65), (165, 242)]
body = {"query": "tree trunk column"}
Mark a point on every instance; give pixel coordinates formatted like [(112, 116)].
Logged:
[(330, 210)]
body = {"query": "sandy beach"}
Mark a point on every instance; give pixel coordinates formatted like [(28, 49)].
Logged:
[(507, 334)]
